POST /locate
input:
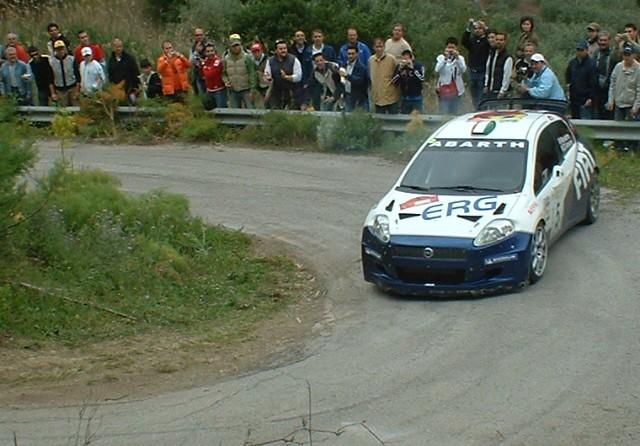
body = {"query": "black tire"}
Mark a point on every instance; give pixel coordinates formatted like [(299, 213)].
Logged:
[(593, 201), (539, 254)]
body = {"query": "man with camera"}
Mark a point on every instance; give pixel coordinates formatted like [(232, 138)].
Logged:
[(628, 38), (449, 66), (173, 70), (410, 75), (474, 39)]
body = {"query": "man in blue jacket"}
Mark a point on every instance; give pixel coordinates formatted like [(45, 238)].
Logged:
[(364, 53), (543, 84), (356, 81), (582, 82), (15, 78)]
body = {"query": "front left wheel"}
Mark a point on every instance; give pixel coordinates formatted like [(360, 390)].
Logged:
[(593, 201), (539, 254)]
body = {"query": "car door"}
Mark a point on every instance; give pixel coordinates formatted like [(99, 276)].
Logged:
[(553, 176)]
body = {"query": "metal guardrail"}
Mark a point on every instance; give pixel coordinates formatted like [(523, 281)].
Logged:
[(594, 129)]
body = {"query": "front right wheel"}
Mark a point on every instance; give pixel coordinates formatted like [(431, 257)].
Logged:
[(539, 254)]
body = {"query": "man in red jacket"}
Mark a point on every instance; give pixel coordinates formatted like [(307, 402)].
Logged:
[(211, 69), (12, 41), (96, 50)]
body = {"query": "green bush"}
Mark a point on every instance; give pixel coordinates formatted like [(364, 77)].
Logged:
[(202, 129), (352, 132), (16, 158), (145, 256), (283, 129)]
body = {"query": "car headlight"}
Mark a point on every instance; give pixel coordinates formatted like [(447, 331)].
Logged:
[(380, 228), (495, 231)]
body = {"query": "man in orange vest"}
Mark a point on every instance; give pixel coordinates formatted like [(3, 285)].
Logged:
[(173, 69)]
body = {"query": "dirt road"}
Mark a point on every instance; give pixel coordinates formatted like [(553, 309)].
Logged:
[(556, 364)]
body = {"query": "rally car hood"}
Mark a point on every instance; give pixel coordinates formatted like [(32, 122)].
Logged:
[(445, 215)]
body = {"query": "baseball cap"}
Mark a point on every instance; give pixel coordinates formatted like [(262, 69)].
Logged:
[(86, 51), (59, 44), (256, 47), (593, 26), (234, 39), (582, 45), (537, 57), (627, 49)]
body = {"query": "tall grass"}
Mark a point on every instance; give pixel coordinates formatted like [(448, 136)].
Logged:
[(104, 20)]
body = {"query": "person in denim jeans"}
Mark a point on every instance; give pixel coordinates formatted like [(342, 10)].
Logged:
[(210, 70), (450, 66), (478, 46)]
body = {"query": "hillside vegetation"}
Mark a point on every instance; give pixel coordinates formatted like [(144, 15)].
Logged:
[(143, 24)]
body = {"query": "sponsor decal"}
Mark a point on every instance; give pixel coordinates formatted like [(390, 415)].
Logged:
[(478, 144), (438, 210), (419, 201), (565, 142), (499, 115), (532, 207), (585, 166)]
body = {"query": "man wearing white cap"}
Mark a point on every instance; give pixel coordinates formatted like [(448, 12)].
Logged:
[(544, 83), (91, 73)]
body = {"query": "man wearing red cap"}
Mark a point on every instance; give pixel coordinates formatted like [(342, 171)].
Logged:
[(260, 61)]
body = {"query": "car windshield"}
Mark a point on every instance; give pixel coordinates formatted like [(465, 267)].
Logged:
[(468, 166)]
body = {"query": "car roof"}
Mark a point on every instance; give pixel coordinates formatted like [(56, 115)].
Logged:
[(495, 124)]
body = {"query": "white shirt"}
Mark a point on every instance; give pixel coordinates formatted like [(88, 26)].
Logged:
[(297, 70), (91, 77)]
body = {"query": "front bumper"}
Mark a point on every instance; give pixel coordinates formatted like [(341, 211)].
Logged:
[(456, 266)]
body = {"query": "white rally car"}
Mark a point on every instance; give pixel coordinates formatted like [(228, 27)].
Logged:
[(479, 204)]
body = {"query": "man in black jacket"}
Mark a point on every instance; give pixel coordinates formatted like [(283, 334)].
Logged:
[(478, 47), (285, 72), (409, 74), (581, 80), (604, 61), (43, 74), (122, 67)]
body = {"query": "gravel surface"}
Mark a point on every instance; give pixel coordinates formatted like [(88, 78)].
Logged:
[(556, 364)]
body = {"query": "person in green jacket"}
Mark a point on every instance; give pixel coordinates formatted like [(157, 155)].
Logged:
[(239, 75)]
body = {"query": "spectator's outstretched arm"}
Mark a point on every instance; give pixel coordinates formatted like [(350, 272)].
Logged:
[(297, 71)]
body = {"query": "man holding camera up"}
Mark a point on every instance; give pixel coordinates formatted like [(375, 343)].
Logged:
[(172, 68), (522, 69), (410, 75), (629, 38), (474, 39), (449, 66)]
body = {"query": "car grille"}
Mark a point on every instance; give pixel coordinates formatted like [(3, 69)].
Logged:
[(438, 253), (435, 276)]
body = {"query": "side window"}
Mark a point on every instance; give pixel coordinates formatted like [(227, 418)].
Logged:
[(548, 155), (563, 136)]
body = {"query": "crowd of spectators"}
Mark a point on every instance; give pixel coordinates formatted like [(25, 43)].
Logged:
[(601, 82)]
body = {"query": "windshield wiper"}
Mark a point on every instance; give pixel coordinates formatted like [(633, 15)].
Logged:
[(412, 187), (468, 188)]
